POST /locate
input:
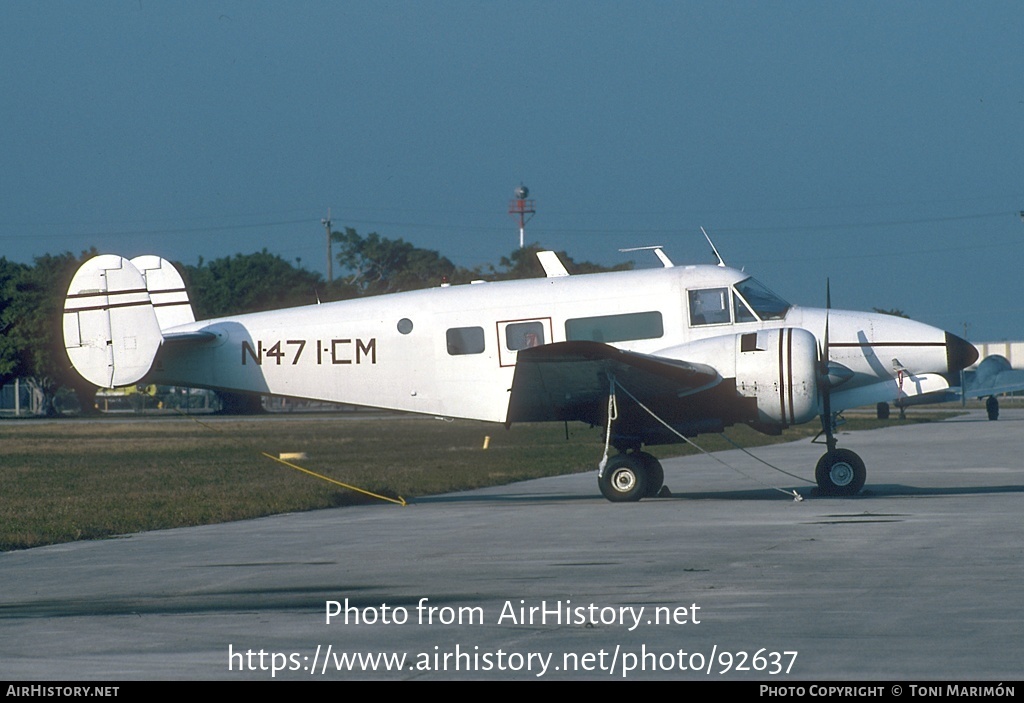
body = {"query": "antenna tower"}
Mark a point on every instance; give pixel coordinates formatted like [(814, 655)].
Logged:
[(522, 209), (326, 222)]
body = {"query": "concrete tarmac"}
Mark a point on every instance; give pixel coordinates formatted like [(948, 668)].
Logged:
[(919, 577)]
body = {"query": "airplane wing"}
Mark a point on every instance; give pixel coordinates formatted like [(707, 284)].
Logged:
[(572, 380)]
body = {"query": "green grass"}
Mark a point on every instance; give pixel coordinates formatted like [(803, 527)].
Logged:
[(74, 479)]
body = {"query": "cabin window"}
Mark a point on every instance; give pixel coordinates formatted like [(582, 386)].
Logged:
[(709, 306), (465, 340), (523, 335), (616, 328)]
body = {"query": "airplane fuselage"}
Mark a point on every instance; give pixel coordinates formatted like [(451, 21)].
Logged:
[(451, 351)]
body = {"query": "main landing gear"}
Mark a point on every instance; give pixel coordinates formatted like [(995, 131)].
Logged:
[(630, 476), (992, 408), (839, 472)]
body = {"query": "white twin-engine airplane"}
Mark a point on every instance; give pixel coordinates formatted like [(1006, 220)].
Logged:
[(651, 355)]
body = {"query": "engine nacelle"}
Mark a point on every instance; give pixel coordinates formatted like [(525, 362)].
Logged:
[(777, 367)]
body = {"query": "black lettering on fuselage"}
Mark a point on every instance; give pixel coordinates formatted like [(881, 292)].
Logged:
[(337, 351), (369, 348), (256, 354)]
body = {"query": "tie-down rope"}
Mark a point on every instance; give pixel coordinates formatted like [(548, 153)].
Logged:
[(613, 403)]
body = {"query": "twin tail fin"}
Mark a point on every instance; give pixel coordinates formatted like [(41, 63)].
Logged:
[(115, 314)]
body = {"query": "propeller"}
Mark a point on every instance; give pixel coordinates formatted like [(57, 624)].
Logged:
[(824, 383), (828, 306), (826, 386), (831, 374)]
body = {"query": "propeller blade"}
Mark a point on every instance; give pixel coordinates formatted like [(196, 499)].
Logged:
[(828, 306), (826, 395), (826, 386)]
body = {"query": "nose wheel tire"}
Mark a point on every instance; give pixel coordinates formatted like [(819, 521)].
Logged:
[(624, 479), (840, 472)]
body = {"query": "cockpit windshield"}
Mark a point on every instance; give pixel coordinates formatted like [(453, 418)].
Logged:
[(766, 304)]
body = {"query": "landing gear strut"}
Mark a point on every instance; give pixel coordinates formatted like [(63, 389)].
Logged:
[(628, 477)]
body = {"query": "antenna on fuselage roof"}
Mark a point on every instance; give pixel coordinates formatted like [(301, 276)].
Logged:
[(665, 261), (717, 255)]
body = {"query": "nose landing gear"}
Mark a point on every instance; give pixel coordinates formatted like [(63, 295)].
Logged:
[(840, 472)]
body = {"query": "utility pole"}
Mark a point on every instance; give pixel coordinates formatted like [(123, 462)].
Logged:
[(330, 256)]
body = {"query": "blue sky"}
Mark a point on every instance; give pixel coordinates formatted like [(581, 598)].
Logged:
[(877, 144)]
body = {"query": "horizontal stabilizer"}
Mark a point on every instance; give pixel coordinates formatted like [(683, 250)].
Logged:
[(993, 376), (111, 330)]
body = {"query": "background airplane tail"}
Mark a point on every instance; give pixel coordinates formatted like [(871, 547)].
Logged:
[(114, 315)]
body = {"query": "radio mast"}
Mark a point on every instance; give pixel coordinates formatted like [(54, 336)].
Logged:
[(523, 209)]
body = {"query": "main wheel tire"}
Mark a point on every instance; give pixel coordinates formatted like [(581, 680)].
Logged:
[(654, 471), (992, 408), (624, 479), (840, 473)]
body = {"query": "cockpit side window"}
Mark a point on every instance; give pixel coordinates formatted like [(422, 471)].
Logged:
[(766, 304), (709, 306), (740, 310)]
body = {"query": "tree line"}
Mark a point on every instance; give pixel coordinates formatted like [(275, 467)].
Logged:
[(32, 295)]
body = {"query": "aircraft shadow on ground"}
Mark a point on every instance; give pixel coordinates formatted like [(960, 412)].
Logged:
[(874, 490), (759, 494), (474, 497), (982, 419), (883, 490)]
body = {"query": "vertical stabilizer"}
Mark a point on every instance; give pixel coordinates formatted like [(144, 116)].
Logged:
[(166, 290), (111, 331)]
